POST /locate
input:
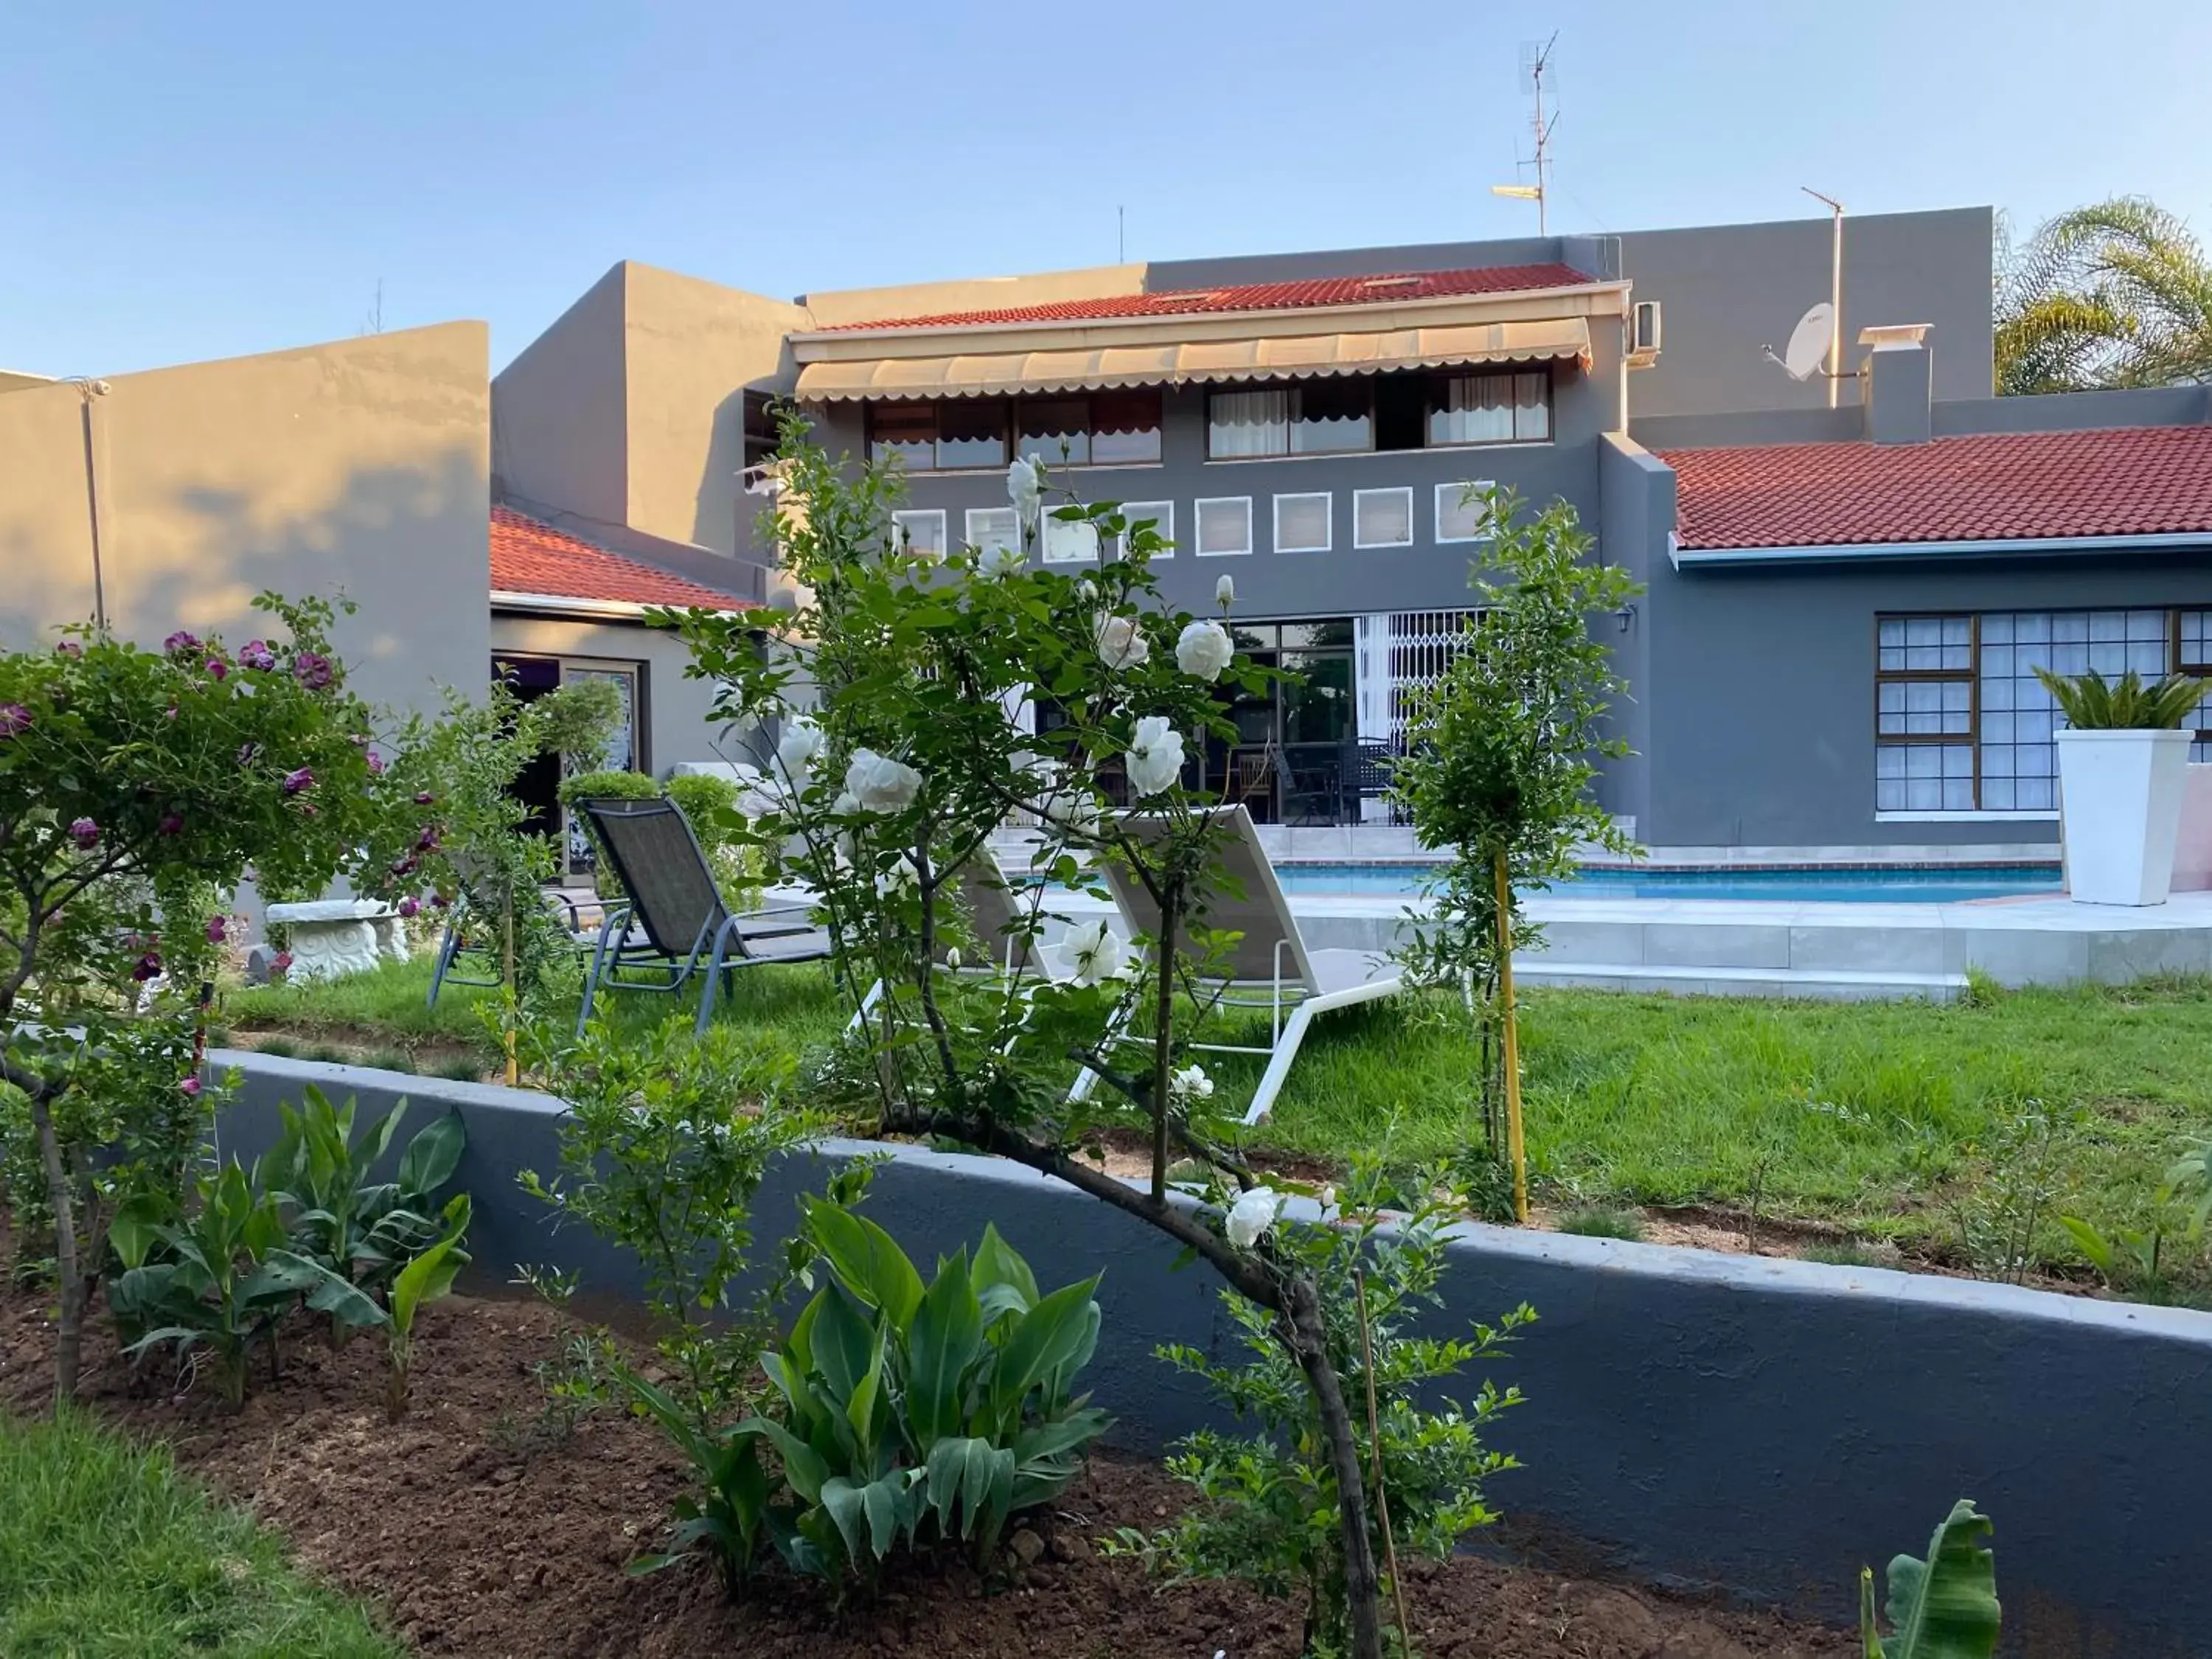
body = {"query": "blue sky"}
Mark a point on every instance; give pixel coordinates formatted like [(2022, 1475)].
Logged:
[(179, 182)]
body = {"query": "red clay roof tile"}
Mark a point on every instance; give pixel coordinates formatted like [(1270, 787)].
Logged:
[(1298, 295), (2124, 480), (528, 557)]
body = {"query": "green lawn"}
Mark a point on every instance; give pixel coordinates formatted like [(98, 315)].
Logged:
[(1871, 1117), (107, 1553)]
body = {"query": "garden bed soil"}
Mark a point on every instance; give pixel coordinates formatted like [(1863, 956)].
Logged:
[(473, 1545)]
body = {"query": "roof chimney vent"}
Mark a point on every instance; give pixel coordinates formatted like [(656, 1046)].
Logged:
[(1900, 378)]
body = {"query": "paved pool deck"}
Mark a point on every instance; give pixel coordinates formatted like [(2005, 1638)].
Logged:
[(1854, 951)]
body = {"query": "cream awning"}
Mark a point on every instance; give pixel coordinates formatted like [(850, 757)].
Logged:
[(1293, 357)]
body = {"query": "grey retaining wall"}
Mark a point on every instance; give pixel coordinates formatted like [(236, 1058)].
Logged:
[(1752, 1426)]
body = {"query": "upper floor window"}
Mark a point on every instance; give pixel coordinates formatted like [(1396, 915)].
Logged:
[(971, 434), (1490, 408), (1327, 417), (1106, 429), (1358, 414)]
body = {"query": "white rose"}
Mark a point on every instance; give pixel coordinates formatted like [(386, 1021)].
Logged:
[(1087, 591), (900, 877), (1190, 1084), (1328, 1198), (953, 959), (1094, 951), (1225, 592), (796, 749), (998, 560), (1155, 755), (1252, 1214), (845, 803), (1203, 649), (1073, 808), (1122, 643), (881, 784), (1025, 490)]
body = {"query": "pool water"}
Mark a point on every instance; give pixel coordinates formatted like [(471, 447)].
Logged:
[(1842, 886)]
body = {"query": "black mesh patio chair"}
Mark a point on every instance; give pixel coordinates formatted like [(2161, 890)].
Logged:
[(674, 923)]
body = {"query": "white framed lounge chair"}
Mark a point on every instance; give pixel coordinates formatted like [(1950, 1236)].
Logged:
[(982, 889), (1270, 966)]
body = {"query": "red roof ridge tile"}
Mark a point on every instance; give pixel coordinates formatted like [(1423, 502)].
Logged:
[(1297, 294), (1997, 486)]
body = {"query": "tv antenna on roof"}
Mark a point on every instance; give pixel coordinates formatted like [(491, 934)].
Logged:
[(1819, 332), (1535, 64)]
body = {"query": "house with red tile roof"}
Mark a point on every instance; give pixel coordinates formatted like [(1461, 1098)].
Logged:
[(1850, 577)]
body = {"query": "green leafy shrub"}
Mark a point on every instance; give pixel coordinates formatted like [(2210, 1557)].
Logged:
[(1944, 1607), (1268, 1500), (427, 1278), (2091, 703), (364, 1231), (1599, 1222), (907, 1414), (225, 1281), (137, 787), (664, 1145)]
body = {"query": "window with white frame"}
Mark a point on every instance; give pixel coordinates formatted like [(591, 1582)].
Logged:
[(1463, 511), (1962, 723), (1302, 522), (920, 531), (1491, 409), (1382, 518), (992, 527), (1160, 515), (1068, 541), (1225, 525)]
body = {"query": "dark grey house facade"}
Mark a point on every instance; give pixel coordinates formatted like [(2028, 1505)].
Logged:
[(1816, 662)]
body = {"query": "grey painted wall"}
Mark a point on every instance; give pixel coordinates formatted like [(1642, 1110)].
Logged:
[(1762, 686), (560, 410), (1756, 1427), (1727, 289), (1345, 580), (1636, 494)]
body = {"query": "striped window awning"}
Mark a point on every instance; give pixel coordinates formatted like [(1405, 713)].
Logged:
[(1278, 357)]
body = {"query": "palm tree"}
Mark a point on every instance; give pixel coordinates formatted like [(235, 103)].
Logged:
[(2118, 293)]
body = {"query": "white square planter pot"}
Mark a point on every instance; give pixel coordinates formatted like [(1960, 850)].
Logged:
[(2119, 798)]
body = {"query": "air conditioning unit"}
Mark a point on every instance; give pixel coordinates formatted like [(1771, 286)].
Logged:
[(1644, 334)]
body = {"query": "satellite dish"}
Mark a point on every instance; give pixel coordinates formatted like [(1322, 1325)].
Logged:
[(1809, 342)]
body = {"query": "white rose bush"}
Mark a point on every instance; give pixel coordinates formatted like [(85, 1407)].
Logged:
[(905, 675)]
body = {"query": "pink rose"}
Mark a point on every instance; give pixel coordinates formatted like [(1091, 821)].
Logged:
[(218, 928), (85, 833), (296, 781)]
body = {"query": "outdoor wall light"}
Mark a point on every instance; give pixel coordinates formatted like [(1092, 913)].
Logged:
[(1626, 616)]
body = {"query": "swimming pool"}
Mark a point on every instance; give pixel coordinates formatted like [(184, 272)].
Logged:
[(1859, 884)]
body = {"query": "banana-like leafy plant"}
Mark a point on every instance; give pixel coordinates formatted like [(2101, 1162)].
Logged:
[(2092, 703), (905, 1414), (364, 1231), (427, 1278), (225, 1281), (1944, 1607)]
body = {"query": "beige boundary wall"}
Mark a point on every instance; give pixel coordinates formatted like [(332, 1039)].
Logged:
[(359, 466)]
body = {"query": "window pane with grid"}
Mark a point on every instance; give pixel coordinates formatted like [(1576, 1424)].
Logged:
[(1225, 526), (1302, 523), (1159, 514), (1382, 518)]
